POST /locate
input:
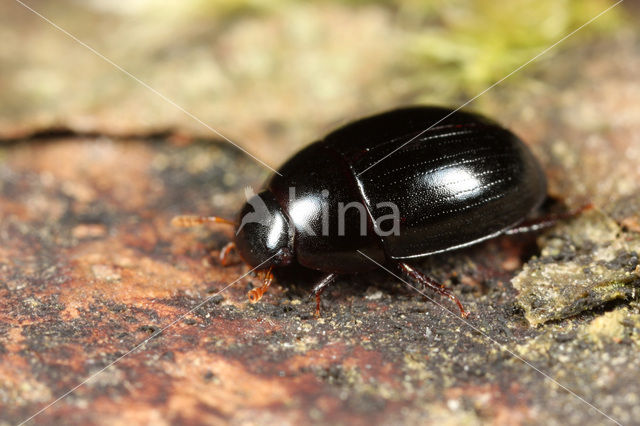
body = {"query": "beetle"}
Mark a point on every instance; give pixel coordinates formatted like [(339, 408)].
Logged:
[(464, 180)]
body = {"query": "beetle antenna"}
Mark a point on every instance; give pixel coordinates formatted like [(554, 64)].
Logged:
[(186, 221)]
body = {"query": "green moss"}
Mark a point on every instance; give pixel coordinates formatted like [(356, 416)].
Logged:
[(462, 46), (476, 43)]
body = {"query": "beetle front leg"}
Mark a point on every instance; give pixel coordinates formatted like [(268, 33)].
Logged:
[(257, 293), (428, 282), (225, 253)]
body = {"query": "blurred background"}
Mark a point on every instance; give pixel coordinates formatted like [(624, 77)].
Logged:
[(273, 76)]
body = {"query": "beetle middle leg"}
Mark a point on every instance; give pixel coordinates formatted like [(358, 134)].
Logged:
[(319, 288), (428, 282)]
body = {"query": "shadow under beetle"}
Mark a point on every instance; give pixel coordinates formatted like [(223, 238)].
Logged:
[(463, 181)]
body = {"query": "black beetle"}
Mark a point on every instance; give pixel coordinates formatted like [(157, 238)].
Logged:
[(464, 180)]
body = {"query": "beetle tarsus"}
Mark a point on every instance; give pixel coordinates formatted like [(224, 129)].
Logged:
[(428, 282), (319, 288), (257, 293)]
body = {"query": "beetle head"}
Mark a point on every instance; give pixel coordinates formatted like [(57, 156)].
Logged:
[(264, 234)]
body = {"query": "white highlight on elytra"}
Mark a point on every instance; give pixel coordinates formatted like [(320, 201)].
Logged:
[(457, 180)]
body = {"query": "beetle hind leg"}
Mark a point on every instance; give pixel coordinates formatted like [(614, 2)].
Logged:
[(544, 222), (428, 282)]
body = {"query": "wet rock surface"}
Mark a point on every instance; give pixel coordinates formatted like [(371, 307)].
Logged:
[(90, 267)]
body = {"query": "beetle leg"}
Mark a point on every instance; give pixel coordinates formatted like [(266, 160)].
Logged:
[(257, 293), (429, 282), (545, 222), (319, 288), (225, 253)]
